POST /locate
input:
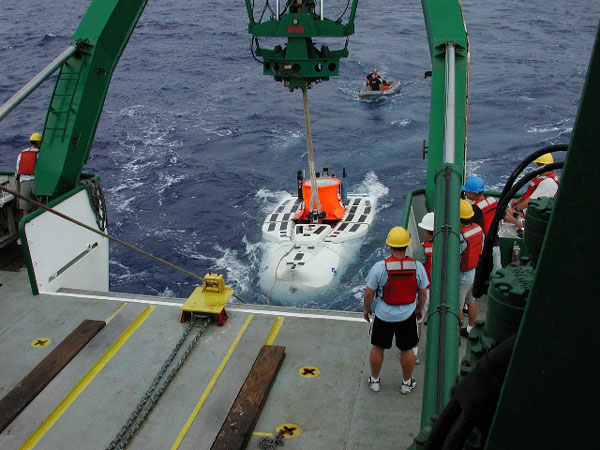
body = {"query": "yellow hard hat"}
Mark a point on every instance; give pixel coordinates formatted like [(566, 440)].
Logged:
[(466, 210), (398, 237), (545, 159), (35, 137)]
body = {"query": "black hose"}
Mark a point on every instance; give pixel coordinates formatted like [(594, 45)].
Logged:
[(342, 14), (485, 259), (485, 264), (443, 425), (473, 400), (252, 41), (528, 160)]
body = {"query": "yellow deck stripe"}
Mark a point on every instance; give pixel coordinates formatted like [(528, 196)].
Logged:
[(211, 384), (274, 330), (66, 402), (260, 433), (116, 312)]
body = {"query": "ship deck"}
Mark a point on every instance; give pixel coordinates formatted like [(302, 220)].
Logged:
[(89, 401)]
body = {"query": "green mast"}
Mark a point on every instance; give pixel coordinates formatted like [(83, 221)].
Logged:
[(80, 91), (449, 48), (445, 25)]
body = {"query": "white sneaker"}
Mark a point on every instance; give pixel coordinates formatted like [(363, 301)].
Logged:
[(375, 386), (407, 388)]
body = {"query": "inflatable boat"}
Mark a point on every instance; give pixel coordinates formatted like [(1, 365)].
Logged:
[(305, 255), (393, 88)]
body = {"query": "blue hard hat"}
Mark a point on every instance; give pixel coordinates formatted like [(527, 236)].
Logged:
[(473, 184)]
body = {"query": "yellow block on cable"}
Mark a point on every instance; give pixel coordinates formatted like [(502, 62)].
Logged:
[(211, 298)]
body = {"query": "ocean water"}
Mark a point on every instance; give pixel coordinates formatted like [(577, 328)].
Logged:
[(195, 145)]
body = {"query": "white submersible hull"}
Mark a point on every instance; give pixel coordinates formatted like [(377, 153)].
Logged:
[(301, 261)]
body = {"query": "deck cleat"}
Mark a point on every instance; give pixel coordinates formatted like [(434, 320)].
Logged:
[(209, 300)]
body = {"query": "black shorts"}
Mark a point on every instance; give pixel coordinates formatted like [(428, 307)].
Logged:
[(383, 332)]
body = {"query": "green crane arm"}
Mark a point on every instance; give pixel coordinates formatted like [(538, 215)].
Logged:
[(80, 91)]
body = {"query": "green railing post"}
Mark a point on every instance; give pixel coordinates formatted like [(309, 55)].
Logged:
[(442, 329)]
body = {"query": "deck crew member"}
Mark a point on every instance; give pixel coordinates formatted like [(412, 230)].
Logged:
[(26, 162), (484, 208), (473, 189), (545, 185), (395, 293), (471, 246), (424, 254)]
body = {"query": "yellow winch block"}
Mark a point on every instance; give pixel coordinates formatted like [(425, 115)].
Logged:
[(211, 298)]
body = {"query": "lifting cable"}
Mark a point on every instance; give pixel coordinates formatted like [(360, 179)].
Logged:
[(314, 193), (112, 238)]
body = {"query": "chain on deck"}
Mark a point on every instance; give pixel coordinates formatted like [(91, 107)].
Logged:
[(155, 390)]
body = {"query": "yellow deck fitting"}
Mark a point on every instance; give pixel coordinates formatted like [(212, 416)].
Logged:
[(309, 372), (211, 298), (41, 342), (289, 430)]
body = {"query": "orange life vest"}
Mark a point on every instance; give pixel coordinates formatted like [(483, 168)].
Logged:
[(428, 248), (533, 184), (488, 208), (27, 161), (473, 235), (401, 285)]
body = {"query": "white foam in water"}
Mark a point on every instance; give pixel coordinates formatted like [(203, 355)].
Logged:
[(401, 122), (238, 272), (267, 199), (167, 293), (373, 187), (473, 166), (563, 126)]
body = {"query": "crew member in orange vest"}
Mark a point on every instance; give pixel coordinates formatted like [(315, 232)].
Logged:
[(424, 254), (473, 189), (25, 170), (545, 185), (395, 294), (471, 245), (484, 208)]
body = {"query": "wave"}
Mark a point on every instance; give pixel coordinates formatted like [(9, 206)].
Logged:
[(563, 126)]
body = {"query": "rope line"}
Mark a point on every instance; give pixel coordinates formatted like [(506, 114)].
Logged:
[(107, 236), (314, 194)]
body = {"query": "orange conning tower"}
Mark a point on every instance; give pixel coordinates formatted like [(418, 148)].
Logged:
[(330, 195)]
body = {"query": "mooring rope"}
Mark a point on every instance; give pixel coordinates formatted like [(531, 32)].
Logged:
[(314, 192), (112, 238)]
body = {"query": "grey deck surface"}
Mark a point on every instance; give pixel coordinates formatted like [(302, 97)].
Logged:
[(334, 410)]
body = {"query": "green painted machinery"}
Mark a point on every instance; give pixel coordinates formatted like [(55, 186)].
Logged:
[(299, 63), (79, 93)]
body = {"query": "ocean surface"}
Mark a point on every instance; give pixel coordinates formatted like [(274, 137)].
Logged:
[(195, 145)]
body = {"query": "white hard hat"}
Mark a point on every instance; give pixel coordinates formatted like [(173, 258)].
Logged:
[(427, 222)]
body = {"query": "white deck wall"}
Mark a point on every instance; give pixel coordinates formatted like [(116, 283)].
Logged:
[(65, 255)]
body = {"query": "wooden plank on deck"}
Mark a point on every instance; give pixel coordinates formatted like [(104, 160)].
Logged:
[(244, 413), (29, 387)]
